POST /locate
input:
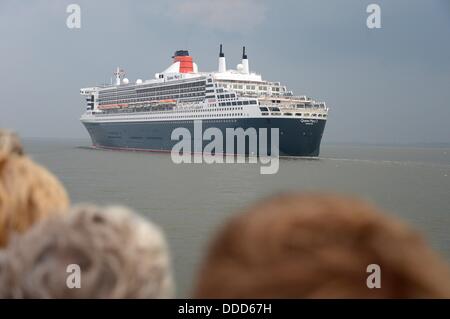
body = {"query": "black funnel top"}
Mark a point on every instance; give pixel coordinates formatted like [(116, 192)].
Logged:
[(244, 55), (181, 53), (221, 55)]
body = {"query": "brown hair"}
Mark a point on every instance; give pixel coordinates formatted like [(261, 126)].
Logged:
[(319, 246), (28, 192)]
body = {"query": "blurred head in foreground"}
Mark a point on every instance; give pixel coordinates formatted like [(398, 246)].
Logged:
[(319, 246), (119, 255), (28, 192)]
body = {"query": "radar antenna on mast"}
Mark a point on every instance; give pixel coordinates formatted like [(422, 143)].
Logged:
[(119, 74)]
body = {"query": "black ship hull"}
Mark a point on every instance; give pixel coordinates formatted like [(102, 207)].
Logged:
[(297, 137)]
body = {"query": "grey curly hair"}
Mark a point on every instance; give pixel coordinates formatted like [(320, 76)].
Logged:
[(120, 255)]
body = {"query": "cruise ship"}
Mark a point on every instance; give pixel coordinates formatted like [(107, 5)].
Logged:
[(142, 115)]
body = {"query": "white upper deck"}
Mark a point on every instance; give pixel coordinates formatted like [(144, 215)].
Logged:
[(181, 85)]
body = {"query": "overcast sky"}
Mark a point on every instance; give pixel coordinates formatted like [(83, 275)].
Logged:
[(388, 85)]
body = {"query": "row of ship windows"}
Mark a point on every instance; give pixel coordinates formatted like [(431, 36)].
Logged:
[(220, 87), (191, 86), (193, 116), (263, 109), (196, 111), (296, 114), (255, 87), (132, 96), (237, 103), (251, 102), (226, 96), (221, 96), (217, 90), (153, 92), (275, 90), (162, 97), (195, 89), (153, 87), (189, 122), (215, 109)]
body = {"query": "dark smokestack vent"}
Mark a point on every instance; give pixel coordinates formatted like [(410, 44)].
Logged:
[(180, 53), (221, 55), (244, 55)]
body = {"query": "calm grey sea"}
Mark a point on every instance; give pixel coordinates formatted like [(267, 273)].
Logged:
[(190, 201)]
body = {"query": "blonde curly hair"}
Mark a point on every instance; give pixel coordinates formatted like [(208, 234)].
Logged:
[(28, 192)]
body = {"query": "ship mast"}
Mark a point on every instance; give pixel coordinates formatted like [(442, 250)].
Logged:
[(119, 74)]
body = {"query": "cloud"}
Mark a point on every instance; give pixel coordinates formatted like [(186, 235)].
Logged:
[(229, 16)]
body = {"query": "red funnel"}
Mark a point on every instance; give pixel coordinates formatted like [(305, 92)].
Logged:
[(186, 64)]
